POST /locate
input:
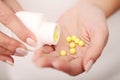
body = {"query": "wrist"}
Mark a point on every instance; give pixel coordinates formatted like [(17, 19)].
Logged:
[(88, 8), (107, 6)]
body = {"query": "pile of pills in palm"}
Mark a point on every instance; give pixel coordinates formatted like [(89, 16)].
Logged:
[(73, 42)]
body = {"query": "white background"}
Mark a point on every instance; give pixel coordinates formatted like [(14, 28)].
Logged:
[(106, 68)]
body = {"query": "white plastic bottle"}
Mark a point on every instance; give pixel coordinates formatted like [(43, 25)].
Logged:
[(45, 32)]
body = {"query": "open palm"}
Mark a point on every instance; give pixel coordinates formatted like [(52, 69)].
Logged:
[(88, 23)]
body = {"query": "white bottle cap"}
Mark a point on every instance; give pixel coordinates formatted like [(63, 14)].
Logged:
[(45, 32), (49, 33)]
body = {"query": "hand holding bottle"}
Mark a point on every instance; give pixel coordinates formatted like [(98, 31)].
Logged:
[(8, 45)]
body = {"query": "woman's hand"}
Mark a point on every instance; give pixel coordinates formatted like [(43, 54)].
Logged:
[(9, 46), (87, 22)]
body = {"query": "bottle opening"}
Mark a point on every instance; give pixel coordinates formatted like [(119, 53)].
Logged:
[(56, 34)]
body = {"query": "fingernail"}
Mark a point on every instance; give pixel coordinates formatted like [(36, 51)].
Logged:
[(31, 42), (21, 52), (9, 62), (89, 65)]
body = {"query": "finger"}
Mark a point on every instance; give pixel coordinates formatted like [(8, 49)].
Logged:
[(13, 5), (8, 18), (76, 66), (95, 49), (12, 45), (62, 63), (73, 68), (4, 51), (45, 60), (42, 51), (7, 59), (47, 49)]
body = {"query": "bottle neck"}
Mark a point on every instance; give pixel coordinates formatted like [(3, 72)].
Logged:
[(49, 33)]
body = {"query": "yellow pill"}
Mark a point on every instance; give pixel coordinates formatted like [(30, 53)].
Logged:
[(72, 45), (77, 41), (72, 51), (81, 43), (68, 39), (63, 53), (74, 38)]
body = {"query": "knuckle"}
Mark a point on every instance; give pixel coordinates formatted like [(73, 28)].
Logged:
[(4, 51), (8, 52), (7, 43), (12, 45)]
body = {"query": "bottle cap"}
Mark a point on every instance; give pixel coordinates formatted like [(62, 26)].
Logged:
[(49, 33)]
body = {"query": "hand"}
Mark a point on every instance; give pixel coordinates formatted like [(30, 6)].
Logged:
[(9, 46), (89, 24)]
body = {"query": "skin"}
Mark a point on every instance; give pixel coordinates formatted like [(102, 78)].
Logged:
[(8, 8), (87, 20)]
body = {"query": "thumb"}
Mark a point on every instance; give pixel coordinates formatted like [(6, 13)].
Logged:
[(97, 44)]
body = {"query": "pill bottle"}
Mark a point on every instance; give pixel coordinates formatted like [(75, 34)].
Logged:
[(44, 31)]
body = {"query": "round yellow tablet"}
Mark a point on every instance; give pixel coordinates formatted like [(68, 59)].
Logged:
[(81, 43), (72, 45), (68, 39), (72, 51), (74, 38), (63, 53)]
